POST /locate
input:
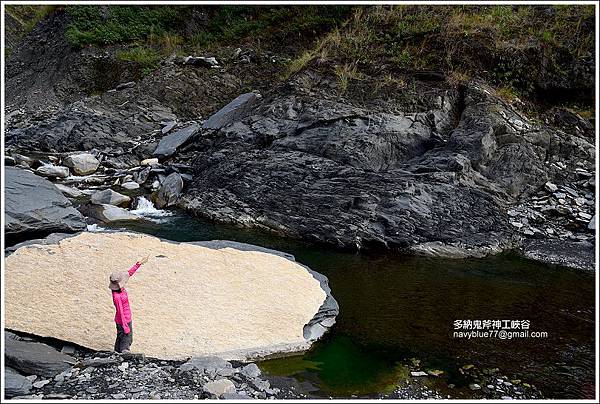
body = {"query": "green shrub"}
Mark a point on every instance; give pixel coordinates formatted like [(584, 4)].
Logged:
[(146, 58), (105, 25)]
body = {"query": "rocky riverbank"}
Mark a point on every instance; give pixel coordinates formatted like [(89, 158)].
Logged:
[(78, 373), (107, 375)]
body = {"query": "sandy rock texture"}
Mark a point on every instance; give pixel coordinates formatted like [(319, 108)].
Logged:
[(188, 300)]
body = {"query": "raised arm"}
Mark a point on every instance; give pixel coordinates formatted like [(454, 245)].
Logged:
[(134, 268), (137, 265)]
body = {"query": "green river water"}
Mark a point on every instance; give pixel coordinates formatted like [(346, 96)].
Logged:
[(395, 309)]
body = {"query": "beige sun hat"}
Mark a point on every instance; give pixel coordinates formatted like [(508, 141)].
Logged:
[(118, 280)]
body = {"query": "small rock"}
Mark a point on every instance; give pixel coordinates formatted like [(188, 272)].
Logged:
[(235, 396), (435, 372), (118, 396), (24, 160), (550, 187), (68, 349), (130, 185), (57, 396), (97, 362), (110, 197), (123, 86), (49, 170), (582, 173), (260, 385), (219, 387), (167, 128), (474, 386), (40, 384), (123, 366), (200, 61), (251, 371), (418, 374), (82, 164), (149, 162), (592, 223)]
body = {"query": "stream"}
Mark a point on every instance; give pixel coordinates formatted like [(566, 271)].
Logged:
[(396, 310)]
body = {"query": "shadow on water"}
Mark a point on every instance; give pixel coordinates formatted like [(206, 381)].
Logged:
[(393, 308)]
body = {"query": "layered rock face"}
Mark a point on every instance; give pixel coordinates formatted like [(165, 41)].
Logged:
[(35, 207), (226, 299), (306, 166)]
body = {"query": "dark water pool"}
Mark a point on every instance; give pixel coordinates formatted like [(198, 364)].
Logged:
[(394, 309)]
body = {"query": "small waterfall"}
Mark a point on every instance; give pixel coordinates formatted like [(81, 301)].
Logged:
[(94, 228), (146, 209)]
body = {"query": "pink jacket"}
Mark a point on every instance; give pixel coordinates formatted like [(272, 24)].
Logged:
[(121, 301)]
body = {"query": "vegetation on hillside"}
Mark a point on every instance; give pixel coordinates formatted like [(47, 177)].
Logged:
[(155, 31), (103, 25), (513, 47), (506, 44), (29, 15)]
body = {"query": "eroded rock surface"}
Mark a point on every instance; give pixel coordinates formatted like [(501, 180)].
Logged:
[(188, 300), (441, 174)]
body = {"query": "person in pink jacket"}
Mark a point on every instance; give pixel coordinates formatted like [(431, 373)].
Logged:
[(121, 302)]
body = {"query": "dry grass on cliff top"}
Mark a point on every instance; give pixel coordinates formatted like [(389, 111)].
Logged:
[(501, 43)]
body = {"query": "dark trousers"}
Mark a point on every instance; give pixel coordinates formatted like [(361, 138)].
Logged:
[(123, 342)]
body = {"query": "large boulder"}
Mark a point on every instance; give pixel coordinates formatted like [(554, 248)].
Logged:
[(15, 384), (34, 207), (169, 190), (235, 110), (108, 213), (82, 164), (234, 301), (169, 144), (35, 358), (110, 197)]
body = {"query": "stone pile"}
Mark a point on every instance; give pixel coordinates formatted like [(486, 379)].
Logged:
[(563, 211)]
